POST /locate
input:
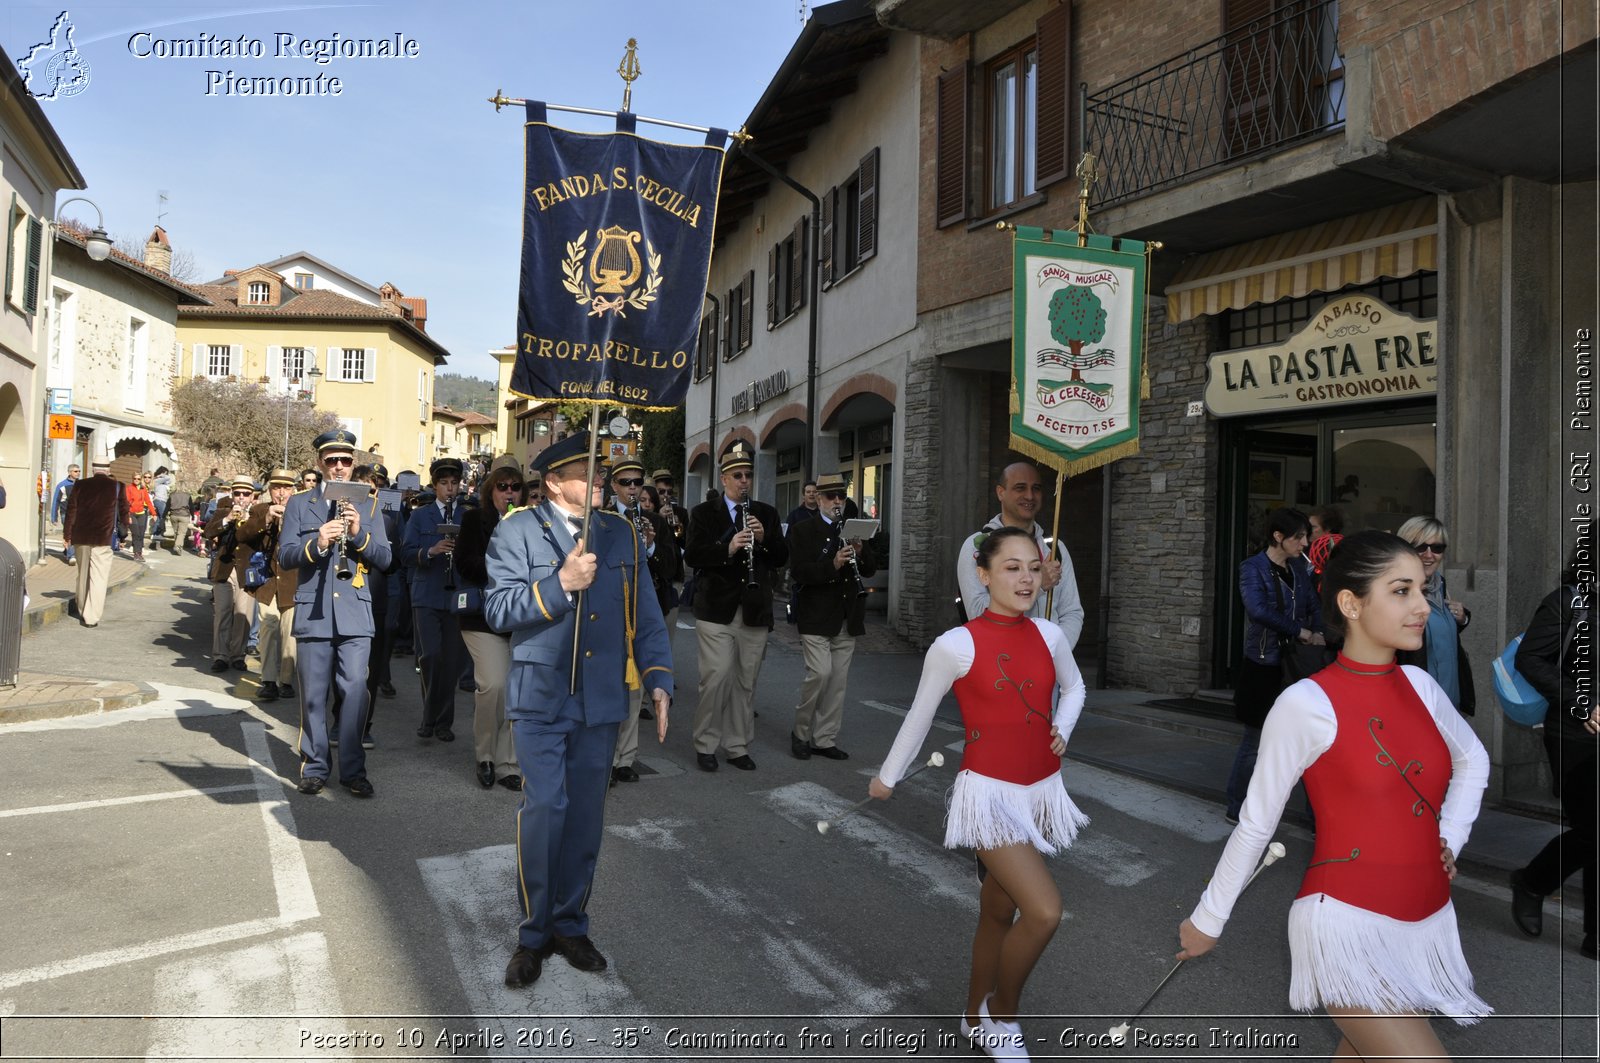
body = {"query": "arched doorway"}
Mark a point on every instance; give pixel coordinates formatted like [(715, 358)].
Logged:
[(15, 470), (785, 436)]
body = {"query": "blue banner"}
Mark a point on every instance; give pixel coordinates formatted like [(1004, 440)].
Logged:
[(616, 244)]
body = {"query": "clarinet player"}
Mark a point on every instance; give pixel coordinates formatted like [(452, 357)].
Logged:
[(832, 605), (736, 545)]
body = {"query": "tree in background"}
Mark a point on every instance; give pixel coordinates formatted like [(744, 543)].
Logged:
[(662, 444), (184, 266), (245, 423)]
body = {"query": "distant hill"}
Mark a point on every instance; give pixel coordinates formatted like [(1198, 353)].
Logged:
[(465, 393)]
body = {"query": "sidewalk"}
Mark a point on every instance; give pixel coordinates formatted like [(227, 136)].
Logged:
[(39, 695)]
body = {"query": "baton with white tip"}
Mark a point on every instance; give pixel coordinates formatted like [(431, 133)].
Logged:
[(1119, 1034), (825, 825)]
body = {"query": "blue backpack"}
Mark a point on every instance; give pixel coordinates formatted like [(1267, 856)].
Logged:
[(1518, 699)]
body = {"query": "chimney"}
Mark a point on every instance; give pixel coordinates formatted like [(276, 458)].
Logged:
[(158, 252)]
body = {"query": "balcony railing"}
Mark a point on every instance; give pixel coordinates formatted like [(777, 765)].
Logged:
[(1256, 89)]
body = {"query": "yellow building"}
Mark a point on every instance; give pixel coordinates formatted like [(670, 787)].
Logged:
[(526, 426), (375, 360)]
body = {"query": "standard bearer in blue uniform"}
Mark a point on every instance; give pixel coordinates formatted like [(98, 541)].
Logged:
[(543, 584), (332, 616)]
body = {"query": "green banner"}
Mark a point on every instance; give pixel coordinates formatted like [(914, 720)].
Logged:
[(1077, 347)]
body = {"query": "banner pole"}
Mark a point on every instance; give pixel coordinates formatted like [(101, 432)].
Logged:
[(1055, 542), (588, 496)]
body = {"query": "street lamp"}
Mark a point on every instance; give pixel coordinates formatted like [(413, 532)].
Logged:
[(99, 242), (290, 388)]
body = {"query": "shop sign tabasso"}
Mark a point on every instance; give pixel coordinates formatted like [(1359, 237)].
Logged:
[(759, 391), (1355, 349)]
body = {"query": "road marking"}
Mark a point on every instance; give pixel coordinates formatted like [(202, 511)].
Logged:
[(895, 710), (474, 893), (941, 875), (652, 833), (1146, 801), (168, 795), (296, 899), (289, 976), (171, 703), (94, 961), (1112, 861)]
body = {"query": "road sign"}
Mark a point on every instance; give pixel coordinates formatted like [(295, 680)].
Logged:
[(63, 426), (60, 400)]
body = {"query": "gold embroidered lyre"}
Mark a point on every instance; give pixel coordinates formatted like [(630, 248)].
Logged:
[(615, 265)]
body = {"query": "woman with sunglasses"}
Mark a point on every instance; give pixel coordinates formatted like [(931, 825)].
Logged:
[(1441, 653), (490, 650)]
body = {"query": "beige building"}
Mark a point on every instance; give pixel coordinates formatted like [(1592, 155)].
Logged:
[(275, 322), (34, 167)]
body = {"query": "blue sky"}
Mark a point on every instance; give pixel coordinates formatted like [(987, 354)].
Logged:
[(408, 176)]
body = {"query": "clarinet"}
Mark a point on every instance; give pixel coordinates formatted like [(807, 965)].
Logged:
[(750, 547), (855, 570), (342, 569)]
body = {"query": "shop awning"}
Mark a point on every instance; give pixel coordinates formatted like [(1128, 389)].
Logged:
[(1394, 241), (158, 437)]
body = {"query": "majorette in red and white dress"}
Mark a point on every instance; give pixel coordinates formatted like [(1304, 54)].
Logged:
[(1005, 672), (1390, 768)]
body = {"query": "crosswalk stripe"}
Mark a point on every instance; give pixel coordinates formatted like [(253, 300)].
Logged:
[(1146, 801), (895, 710)]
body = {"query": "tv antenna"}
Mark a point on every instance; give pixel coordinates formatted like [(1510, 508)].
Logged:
[(161, 205)]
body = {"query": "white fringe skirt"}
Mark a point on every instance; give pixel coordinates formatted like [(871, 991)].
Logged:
[(987, 813), (1344, 956)]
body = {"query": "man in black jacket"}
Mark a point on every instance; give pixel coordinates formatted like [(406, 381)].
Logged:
[(832, 603), (737, 546)]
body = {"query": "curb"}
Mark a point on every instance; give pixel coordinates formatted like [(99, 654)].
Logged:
[(37, 618), (55, 710)]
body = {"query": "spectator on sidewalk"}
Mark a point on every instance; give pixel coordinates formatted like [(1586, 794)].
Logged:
[(140, 509), (180, 506), (1279, 605), (1021, 494), (807, 508), (1441, 654), (1551, 658), (95, 507), (161, 495), (58, 506)]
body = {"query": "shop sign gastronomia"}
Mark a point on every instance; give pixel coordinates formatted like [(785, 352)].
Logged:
[(759, 391), (1355, 349)]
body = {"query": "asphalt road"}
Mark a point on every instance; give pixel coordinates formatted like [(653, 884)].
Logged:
[(168, 895)]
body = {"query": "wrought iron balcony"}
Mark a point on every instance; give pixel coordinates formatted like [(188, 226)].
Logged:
[(1256, 89)]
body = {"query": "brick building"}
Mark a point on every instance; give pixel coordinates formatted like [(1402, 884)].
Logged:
[(1432, 162)]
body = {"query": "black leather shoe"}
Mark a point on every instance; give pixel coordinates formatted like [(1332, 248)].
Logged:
[(486, 773), (444, 734), (424, 731), (268, 692), (800, 750), (386, 689), (831, 752), (524, 968), (645, 713), (707, 761), (360, 787), (743, 762), (239, 665), (1527, 907), (219, 665), (311, 785), (626, 773), (578, 951), (285, 690), (511, 782)]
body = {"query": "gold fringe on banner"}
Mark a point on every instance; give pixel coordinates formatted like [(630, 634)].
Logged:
[(1051, 459)]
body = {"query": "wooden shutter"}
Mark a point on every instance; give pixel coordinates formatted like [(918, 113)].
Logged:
[(275, 371), (30, 278), (1053, 147), (729, 336), (202, 358), (306, 379), (772, 284), (950, 175), (867, 206), (11, 248), (1250, 73), (825, 237), (369, 365), (798, 261), (747, 301), (235, 359)]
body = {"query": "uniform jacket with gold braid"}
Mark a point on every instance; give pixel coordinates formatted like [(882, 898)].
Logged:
[(828, 598), (326, 607), (721, 591), (259, 532), (620, 622)]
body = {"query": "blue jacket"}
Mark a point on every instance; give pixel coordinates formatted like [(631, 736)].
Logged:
[(524, 597), (1268, 622), (326, 607), (427, 573)]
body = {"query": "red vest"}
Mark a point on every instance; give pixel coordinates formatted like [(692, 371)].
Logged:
[(1004, 740), (1376, 793)]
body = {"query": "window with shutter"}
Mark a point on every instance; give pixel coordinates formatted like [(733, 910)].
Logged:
[(746, 308), (950, 182), (730, 314), (274, 367), (1010, 83), (32, 272), (867, 210), (825, 236), (11, 248), (799, 263), (369, 365), (1250, 61), (1053, 155), (235, 359), (773, 254)]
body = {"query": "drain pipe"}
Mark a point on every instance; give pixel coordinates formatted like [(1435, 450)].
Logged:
[(716, 357)]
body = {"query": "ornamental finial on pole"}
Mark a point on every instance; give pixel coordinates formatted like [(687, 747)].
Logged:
[(629, 71), (1087, 175)]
